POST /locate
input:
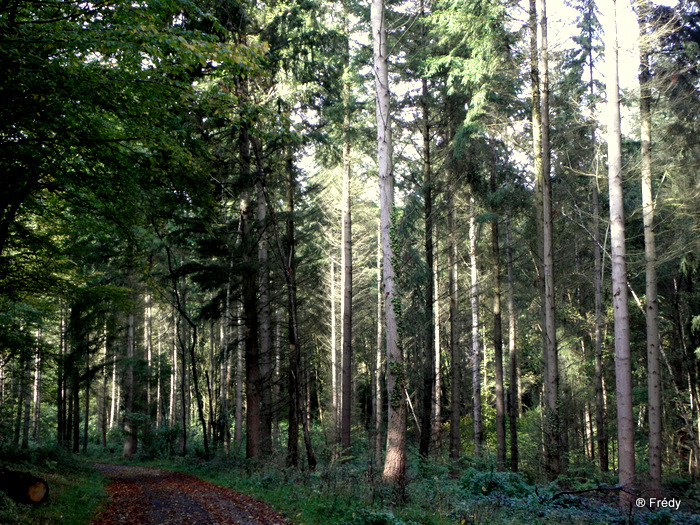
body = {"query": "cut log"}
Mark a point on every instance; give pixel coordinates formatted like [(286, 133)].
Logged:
[(24, 487)]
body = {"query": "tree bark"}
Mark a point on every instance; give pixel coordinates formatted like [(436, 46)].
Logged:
[(455, 353), (36, 414), (395, 461), (553, 445), (378, 360), (346, 276), (250, 299), (513, 361), (652, 304), (334, 361), (437, 387), (429, 368), (497, 330), (130, 442), (240, 358), (265, 327), (476, 346), (623, 365)]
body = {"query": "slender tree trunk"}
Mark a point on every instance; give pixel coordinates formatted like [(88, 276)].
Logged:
[(437, 387), (378, 360), (103, 392), (553, 428), (240, 358), (429, 368), (225, 372), (334, 360), (172, 410), (497, 330), (652, 304), (623, 365), (159, 385), (61, 383), (455, 351), (265, 328), (346, 276), (601, 416), (513, 361), (113, 395), (277, 373), (148, 338), (27, 401), (252, 370), (36, 415), (395, 461), (250, 299), (86, 419), (130, 442), (476, 346)]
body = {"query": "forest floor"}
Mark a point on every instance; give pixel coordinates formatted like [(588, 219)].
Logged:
[(152, 496)]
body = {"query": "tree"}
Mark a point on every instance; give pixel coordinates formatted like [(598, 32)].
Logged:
[(652, 304), (395, 460), (623, 365)]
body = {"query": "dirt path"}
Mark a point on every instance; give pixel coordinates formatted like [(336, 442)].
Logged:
[(150, 496)]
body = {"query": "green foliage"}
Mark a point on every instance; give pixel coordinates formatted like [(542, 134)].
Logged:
[(505, 483)]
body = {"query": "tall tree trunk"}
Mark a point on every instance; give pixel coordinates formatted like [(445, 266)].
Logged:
[(251, 328), (130, 442), (553, 429), (437, 386), (429, 368), (513, 361), (265, 328), (476, 346), (250, 296), (86, 419), (378, 359), (172, 407), (295, 386), (27, 401), (225, 372), (114, 406), (623, 365), (61, 381), (148, 338), (652, 304), (395, 461), (455, 351), (240, 358), (36, 415), (334, 360), (601, 416), (346, 273), (497, 330)]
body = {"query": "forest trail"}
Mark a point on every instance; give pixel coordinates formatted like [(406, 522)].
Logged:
[(152, 496)]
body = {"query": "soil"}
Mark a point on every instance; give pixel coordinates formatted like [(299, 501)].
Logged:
[(151, 496)]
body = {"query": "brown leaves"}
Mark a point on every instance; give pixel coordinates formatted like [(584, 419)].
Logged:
[(143, 495)]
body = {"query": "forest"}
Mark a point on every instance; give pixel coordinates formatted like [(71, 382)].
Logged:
[(439, 258)]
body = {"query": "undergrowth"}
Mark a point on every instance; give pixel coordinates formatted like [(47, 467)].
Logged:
[(351, 493)]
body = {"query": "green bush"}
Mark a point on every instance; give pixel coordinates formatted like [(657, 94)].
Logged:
[(509, 484)]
